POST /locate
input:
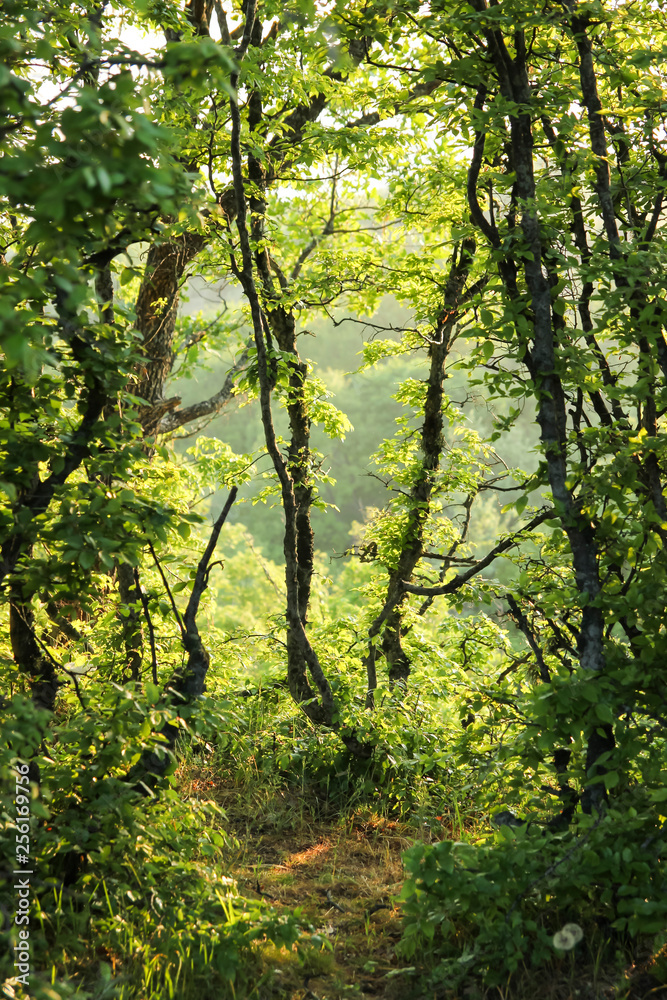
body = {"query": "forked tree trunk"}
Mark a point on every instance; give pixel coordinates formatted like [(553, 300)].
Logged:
[(421, 492)]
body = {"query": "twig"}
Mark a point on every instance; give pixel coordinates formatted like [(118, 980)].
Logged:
[(56, 664), (333, 902), (450, 555), (260, 892), (326, 231), (262, 563), (216, 193), (458, 581), (514, 665), (218, 562), (177, 613), (149, 622), (75, 681), (522, 622), (201, 576)]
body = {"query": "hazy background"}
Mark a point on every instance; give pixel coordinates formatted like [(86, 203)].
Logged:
[(365, 398)]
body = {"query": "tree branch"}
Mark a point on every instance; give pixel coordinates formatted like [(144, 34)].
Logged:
[(178, 418), (497, 550)]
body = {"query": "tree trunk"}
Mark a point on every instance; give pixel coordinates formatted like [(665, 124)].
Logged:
[(421, 492), (130, 617), (157, 311), (29, 658)]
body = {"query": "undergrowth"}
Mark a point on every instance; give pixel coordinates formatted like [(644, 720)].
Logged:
[(345, 869), (272, 864)]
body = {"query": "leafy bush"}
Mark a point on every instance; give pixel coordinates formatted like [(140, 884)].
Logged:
[(499, 904), (411, 767), (127, 899)]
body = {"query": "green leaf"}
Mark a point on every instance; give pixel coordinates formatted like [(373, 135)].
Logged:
[(604, 712), (87, 558)]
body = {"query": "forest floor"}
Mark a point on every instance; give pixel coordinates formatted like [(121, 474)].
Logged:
[(344, 873), (344, 877)]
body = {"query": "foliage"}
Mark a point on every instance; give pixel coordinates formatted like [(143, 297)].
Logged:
[(149, 893), (498, 905), (478, 190)]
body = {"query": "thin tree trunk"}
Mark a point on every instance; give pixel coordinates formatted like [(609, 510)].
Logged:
[(541, 362), (29, 658), (157, 312), (130, 618), (301, 655), (431, 443)]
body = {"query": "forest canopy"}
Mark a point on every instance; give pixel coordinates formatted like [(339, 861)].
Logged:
[(385, 516)]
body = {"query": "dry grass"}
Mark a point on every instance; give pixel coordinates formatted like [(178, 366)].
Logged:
[(341, 873)]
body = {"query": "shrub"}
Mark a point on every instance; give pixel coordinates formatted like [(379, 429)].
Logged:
[(498, 904)]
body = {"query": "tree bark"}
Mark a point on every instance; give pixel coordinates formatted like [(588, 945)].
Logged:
[(130, 618), (301, 654), (156, 315), (29, 658), (541, 362)]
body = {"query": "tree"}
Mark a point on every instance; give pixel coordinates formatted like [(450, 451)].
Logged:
[(574, 290), (499, 170)]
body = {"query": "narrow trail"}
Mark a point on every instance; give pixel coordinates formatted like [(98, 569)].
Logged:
[(344, 876)]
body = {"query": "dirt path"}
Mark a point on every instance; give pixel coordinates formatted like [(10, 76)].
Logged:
[(344, 876)]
